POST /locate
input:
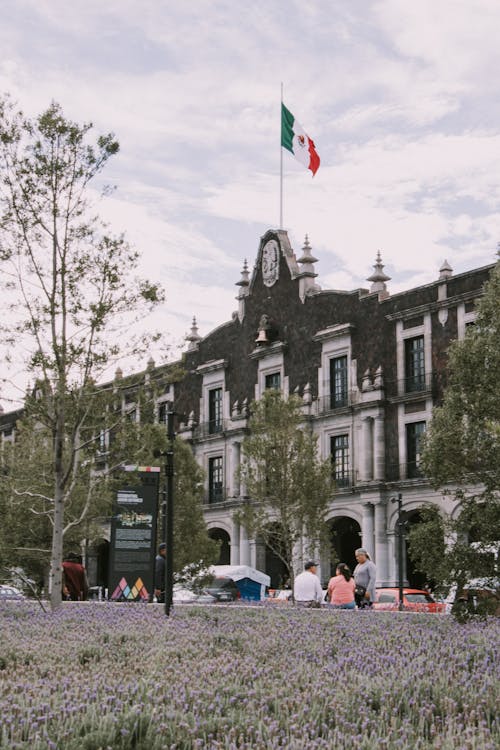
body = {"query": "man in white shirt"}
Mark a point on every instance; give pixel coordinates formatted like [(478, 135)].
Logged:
[(307, 589)]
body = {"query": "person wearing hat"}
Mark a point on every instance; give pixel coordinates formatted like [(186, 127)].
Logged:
[(365, 574), (307, 591), (160, 573)]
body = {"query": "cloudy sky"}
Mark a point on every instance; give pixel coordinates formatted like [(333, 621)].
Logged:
[(401, 99)]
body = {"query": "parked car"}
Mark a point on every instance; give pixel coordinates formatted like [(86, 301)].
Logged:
[(10, 592), (414, 600), (479, 595), (279, 596), (182, 595), (223, 590)]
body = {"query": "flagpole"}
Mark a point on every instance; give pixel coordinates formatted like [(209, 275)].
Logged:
[(281, 160)]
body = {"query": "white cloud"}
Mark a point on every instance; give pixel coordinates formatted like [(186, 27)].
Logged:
[(401, 100)]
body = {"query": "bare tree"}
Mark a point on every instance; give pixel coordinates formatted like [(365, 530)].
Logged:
[(72, 296)]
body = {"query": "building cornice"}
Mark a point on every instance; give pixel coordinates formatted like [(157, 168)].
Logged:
[(333, 332), (446, 303)]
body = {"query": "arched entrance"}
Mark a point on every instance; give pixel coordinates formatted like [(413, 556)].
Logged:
[(344, 535), (274, 565), (221, 536), (416, 579)]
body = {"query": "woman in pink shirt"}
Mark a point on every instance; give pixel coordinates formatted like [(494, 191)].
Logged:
[(341, 588)]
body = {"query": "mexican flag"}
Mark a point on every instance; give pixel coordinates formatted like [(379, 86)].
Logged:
[(295, 140)]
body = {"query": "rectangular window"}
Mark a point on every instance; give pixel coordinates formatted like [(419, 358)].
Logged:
[(162, 412), (414, 364), (215, 410), (215, 479), (339, 450), (414, 432), (338, 382), (273, 380)]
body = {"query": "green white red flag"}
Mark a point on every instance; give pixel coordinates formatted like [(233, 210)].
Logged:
[(295, 139)]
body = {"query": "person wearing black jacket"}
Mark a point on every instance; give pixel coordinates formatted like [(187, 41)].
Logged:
[(160, 573)]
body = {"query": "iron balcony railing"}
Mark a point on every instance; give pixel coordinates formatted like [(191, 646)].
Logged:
[(208, 429), (332, 402), (414, 384)]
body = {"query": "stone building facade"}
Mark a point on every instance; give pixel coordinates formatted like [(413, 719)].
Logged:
[(369, 367)]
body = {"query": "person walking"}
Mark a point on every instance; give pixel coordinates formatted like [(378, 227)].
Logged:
[(307, 591), (341, 588), (75, 587), (160, 573), (365, 575)]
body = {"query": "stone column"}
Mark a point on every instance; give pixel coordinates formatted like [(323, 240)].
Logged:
[(367, 528), (381, 552), (367, 450), (379, 448), (235, 544), (244, 547), (253, 553), (234, 482)]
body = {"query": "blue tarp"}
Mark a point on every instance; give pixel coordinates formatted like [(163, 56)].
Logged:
[(250, 582)]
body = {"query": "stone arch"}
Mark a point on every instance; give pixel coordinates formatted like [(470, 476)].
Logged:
[(344, 536), (222, 536), (275, 567), (412, 516)]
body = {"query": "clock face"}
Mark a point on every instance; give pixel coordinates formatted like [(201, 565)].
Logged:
[(270, 262)]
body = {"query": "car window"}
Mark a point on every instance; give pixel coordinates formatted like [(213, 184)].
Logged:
[(386, 598), (419, 598)]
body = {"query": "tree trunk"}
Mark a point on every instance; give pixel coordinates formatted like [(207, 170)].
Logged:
[(57, 535)]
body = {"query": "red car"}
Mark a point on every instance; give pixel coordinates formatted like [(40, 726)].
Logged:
[(414, 600)]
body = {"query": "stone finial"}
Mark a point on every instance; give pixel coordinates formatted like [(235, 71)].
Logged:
[(366, 382), (245, 273), (118, 373), (151, 363), (307, 285), (378, 279), (193, 337), (378, 380), (191, 420), (307, 258), (446, 271), (236, 409), (307, 395), (244, 408)]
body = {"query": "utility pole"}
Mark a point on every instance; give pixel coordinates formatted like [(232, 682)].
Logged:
[(400, 524), (169, 513)]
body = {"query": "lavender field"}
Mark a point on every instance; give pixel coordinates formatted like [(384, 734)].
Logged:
[(123, 676)]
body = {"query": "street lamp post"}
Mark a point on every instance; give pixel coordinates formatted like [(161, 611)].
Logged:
[(400, 525), (168, 528)]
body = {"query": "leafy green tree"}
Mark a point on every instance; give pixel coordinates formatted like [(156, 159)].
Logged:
[(463, 443), (462, 456), (73, 297), (26, 502), (289, 486)]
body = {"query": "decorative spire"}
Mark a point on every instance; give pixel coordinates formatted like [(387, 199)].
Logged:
[(151, 363), (118, 373), (244, 275), (446, 271), (193, 337), (378, 279), (307, 258)]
